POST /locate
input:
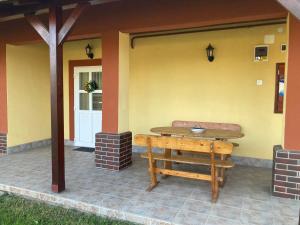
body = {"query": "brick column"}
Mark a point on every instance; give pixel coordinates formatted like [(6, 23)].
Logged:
[(113, 151), (3, 144), (286, 173), (114, 144)]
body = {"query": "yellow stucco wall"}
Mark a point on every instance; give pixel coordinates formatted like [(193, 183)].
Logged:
[(171, 78), (286, 73), (124, 71), (28, 81), (28, 87)]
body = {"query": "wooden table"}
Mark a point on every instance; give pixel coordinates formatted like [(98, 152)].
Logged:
[(207, 134)]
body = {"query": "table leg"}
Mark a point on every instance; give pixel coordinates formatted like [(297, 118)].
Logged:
[(167, 153), (222, 171), (179, 152), (168, 165)]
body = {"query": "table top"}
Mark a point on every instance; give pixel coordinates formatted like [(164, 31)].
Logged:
[(207, 134)]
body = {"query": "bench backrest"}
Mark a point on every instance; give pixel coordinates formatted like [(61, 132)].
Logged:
[(184, 144), (207, 125)]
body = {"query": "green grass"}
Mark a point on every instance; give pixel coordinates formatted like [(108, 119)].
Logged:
[(19, 211)]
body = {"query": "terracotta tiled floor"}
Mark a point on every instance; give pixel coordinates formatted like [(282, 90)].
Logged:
[(245, 199)]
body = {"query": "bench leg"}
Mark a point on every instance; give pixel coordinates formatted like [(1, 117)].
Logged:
[(153, 178), (167, 165), (151, 187), (222, 172), (168, 152), (215, 193)]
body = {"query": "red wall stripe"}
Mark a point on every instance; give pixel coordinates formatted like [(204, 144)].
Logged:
[(292, 116), (110, 67)]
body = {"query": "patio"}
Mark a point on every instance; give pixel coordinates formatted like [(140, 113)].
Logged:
[(245, 199)]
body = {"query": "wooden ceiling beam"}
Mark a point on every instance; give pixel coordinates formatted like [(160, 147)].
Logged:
[(38, 25), (70, 22), (42, 30), (13, 10), (10, 10)]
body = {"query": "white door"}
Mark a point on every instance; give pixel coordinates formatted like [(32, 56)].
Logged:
[(87, 106)]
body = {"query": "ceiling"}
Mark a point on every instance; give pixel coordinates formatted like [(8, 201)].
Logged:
[(15, 7), (10, 8)]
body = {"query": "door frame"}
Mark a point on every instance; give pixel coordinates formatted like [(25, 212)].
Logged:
[(72, 65)]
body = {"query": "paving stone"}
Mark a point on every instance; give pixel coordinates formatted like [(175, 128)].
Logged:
[(245, 199)]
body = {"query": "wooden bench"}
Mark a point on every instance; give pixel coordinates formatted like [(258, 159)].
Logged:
[(186, 144)]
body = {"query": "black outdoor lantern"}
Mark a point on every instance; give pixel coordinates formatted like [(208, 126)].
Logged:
[(88, 51), (210, 53)]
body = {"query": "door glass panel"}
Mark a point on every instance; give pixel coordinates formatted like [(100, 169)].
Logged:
[(84, 101), (97, 76), (83, 79), (97, 101)]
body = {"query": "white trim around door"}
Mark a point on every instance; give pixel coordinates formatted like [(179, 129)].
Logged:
[(87, 106)]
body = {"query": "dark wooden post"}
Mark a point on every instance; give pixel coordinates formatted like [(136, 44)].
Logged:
[(55, 38), (57, 105)]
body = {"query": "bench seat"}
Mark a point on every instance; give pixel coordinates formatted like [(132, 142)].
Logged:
[(190, 160)]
